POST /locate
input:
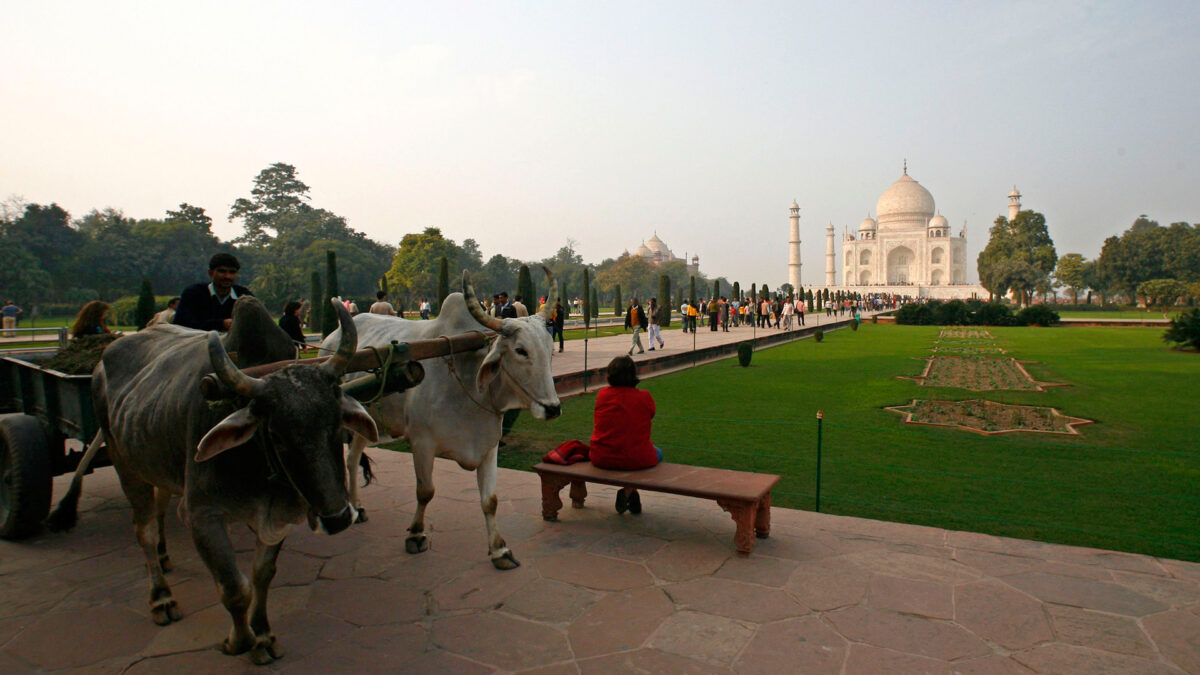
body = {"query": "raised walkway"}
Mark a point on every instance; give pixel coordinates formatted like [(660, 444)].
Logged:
[(662, 592)]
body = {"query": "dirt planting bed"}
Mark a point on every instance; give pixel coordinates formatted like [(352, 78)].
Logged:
[(956, 347), (987, 417), (977, 373), (966, 334)]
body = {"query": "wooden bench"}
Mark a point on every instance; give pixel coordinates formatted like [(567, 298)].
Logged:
[(746, 496)]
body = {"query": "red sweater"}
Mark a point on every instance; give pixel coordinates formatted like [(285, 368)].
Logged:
[(621, 435)]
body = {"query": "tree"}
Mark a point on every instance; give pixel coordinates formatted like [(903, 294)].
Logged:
[(737, 291), (145, 305), (765, 292), (754, 296), (276, 192), (617, 308), (1019, 255), (637, 277), (587, 300), (45, 233), (329, 318), (1070, 271), (716, 290), (415, 265), (664, 300), (525, 286), (1161, 292), (595, 303), (315, 308), (443, 288), (692, 292)]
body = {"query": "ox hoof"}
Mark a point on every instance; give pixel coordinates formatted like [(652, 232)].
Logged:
[(164, 562), (416, 544), (265, 651), (234, 647), (362, 515), (165, 613), (505, 562)]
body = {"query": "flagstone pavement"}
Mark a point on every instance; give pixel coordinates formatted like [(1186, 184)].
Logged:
[(598, 592)]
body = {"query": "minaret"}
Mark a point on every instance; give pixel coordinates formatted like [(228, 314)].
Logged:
[(794, 250), (1014, 204), (830, 275)]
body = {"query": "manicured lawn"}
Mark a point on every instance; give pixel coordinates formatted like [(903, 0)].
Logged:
[(1130, 482)]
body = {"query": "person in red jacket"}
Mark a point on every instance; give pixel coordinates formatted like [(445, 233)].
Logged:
[(621, 431)]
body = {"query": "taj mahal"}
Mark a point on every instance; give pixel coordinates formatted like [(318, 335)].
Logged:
[(906, 249)]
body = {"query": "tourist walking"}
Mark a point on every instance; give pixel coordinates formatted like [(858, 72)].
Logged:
[(381, 305), (714, 310), (556, 324), (635, 318), (800, 307), (693, 313), (683, 315), (424, 308), (724, 314), (788, 310), (655, 319)]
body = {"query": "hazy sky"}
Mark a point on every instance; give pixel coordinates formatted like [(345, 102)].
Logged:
[(524, 124)]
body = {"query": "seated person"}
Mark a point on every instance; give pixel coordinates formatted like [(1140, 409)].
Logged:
[(90, 320), (621, 431), (290, 323), (210, 306)]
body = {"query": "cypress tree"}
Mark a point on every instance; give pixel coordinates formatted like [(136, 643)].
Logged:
[(562, 297), (754, 296), (664, 300), (716, 289), (737, 291), (617, 301), (692, 292), (679, 298), (145, 305), (587, 300), (525, 288), (314, 303), (595, 303), (383, 285), (443, 282), (329, 318), (808, 299)]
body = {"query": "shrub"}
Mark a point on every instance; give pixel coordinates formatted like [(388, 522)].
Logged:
[(745, 351), (1185, 330), (818, 335), (994, 314), (952, 313), (123, 311), (1037, 315), (874, 318), (915, 314), (854, 325)]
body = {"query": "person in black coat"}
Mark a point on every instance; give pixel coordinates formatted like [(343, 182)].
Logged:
[(290, 323), (556, 324), (209, 306)]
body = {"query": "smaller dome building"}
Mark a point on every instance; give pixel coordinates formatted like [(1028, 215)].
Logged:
[(656, 251)]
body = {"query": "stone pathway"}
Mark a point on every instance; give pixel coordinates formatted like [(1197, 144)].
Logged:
[(600, 593)]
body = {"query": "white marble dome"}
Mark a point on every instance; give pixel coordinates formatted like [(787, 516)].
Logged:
[(867, 224), (657, 245), (905, 204), (938, 222), (643, 251)]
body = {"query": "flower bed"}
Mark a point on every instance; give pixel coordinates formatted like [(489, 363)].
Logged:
[(987, 417)]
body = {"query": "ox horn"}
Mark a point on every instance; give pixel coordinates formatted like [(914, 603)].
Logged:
[(547, 312), (228, 373), (349, 342), (473, 305)]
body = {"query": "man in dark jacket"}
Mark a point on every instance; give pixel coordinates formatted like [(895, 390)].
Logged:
[(635, 318), (209, 306)]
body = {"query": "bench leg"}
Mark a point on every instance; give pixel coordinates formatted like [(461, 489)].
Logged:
[(551, 502), (743, 514), (578, 493), (762, 518)]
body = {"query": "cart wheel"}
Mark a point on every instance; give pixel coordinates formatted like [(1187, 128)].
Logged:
[(25, 480)]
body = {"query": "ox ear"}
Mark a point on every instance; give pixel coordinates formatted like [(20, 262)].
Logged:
[(229, 433), (356, 419), (490, 366)]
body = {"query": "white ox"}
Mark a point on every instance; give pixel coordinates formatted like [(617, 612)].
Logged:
[(458, 409)]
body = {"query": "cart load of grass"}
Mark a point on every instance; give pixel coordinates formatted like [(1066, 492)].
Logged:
[(81, 355)]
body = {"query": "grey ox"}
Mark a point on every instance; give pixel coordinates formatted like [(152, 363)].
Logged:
[(271, 459), (457, 410)]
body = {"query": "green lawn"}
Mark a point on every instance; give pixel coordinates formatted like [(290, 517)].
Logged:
[(1130, 482)]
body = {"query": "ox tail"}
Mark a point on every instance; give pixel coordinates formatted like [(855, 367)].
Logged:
[(66, 513), (365, 463)]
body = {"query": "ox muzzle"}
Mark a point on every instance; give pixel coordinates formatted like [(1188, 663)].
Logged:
[(334, 523)]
